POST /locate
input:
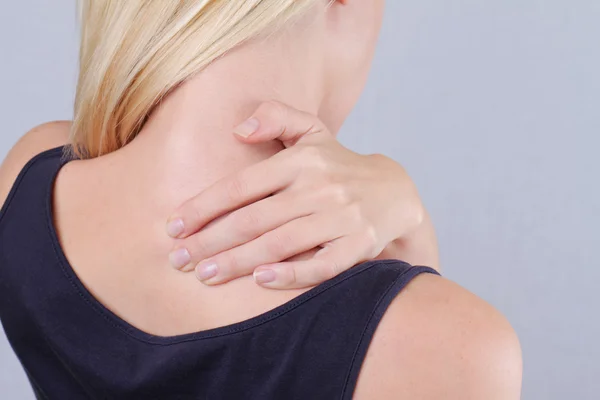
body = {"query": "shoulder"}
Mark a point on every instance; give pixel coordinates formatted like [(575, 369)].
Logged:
[(37, 140), (437, 340)]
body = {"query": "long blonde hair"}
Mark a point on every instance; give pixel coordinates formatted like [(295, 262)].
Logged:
[(134, 52)]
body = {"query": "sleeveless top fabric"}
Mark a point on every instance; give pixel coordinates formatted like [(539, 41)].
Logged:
[(72, 347)]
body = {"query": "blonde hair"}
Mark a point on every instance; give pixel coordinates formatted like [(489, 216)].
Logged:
[(134, 52)]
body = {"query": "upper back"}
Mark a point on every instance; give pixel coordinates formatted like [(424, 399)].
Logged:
[(434, 341)]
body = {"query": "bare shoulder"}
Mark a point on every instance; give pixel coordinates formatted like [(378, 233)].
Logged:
[(37, 140), (439, 341)]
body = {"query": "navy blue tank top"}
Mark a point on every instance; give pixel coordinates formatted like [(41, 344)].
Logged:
[(72, 347)]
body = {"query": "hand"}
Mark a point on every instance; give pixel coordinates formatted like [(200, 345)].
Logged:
[(315, 194)]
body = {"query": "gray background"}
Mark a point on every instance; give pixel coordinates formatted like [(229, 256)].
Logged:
[(493, 107)]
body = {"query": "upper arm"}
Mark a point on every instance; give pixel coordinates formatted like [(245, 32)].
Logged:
[(438, 341), (37, 140)]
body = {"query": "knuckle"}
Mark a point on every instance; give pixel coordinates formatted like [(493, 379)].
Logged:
[(273, 109), (353, 215), (339, 195), (236, 188), (329, 270), (289, 276), (278, 245), (314, 157), (199, 247), (311, 152), (293, 276), (193, 209), (246, 221), (275, 114), (297, 156), (231, 263)]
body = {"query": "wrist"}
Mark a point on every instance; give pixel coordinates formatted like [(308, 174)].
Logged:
[(418, 248)]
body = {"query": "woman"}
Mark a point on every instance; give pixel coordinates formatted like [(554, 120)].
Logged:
[(88, 300)]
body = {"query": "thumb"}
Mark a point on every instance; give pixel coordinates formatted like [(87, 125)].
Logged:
[(274, 120)]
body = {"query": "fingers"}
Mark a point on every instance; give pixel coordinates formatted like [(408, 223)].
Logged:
[(273, 120), (336, 257), (230, 193), (295, 237), (242, 226)]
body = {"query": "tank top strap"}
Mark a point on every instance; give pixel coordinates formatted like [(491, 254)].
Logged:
[(31, 194)]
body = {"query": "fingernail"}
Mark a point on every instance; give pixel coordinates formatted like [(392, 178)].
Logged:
[(206, 270), (175, 228), (264, 276), (180, 258), (247, 128)]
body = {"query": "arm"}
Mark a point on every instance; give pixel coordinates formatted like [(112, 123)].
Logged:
[(314, 194), (418, 248), (438, 341)]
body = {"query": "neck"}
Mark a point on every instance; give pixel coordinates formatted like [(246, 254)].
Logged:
[(188, 142)]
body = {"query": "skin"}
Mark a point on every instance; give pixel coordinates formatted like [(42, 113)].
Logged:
[(314, 196), (435, 341)]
